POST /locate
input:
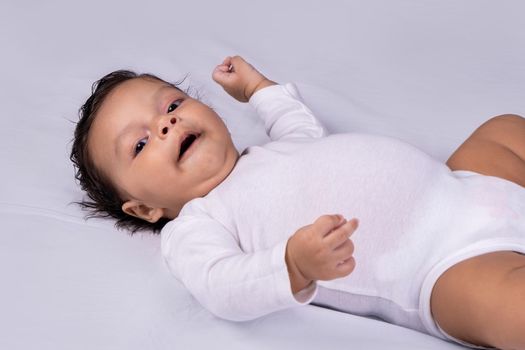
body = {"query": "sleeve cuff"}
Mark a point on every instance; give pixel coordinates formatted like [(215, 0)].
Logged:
[(306, 295), (282, 280), (274, 90)]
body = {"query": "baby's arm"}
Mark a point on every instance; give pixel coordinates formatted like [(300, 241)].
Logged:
[(321, 251), (238, 285), (229, 282), (279, 106)]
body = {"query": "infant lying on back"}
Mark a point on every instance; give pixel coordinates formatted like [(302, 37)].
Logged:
[(265, 230)]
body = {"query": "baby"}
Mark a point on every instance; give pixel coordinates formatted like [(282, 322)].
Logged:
[(438, 249)]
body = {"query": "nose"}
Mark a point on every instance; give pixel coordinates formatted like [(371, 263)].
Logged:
[(165, 125)]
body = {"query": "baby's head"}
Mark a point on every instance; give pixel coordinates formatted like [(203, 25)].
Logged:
[(131, 154)]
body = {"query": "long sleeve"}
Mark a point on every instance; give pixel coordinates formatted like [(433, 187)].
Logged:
[(284, 114), (231, 284)]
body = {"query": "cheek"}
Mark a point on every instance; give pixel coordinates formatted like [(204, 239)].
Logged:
[(151, 190), (208, 115), (148, 176)]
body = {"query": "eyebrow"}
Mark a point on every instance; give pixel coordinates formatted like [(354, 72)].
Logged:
[(123, 132)]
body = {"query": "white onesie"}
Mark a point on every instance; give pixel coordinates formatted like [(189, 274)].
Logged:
[(416, 219)]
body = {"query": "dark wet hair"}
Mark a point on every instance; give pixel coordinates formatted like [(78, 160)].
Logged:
[(103, 199)]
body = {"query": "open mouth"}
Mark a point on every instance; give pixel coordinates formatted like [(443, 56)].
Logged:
[(186, 144)]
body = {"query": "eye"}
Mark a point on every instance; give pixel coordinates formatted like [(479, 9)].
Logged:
[(140, 145), (174, 105)]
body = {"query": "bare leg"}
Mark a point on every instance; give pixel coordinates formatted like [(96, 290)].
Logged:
[(496, 148), (482, 300)]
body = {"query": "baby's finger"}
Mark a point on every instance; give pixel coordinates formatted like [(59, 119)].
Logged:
[(346, 267), (237, 60), (217, 74), (221, 76), (223, 68), (239, 64), (226, 65), (326, 223), (341, 234), (227, 61), (344, 251)]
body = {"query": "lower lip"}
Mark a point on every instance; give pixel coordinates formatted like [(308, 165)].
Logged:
[(190, 150)]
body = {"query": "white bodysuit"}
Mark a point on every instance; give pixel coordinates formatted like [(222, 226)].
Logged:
[(416, 219)]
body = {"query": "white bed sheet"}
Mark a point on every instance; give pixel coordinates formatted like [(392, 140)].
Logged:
[(428, 72)]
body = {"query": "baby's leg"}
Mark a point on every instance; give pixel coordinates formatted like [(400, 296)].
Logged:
[(496, 148), (482, 300)]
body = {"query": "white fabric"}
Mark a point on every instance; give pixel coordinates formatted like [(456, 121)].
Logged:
[(425, 72), (414, 213)]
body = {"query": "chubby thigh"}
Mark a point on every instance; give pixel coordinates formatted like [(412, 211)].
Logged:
[(481, 300), (496, 148)]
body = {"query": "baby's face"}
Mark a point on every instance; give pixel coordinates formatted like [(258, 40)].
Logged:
[(136, 140)]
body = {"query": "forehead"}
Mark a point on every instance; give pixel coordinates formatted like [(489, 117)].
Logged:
[(137, 89), (131, 98)]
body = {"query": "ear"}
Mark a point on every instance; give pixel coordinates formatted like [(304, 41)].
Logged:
[(142, 211)]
